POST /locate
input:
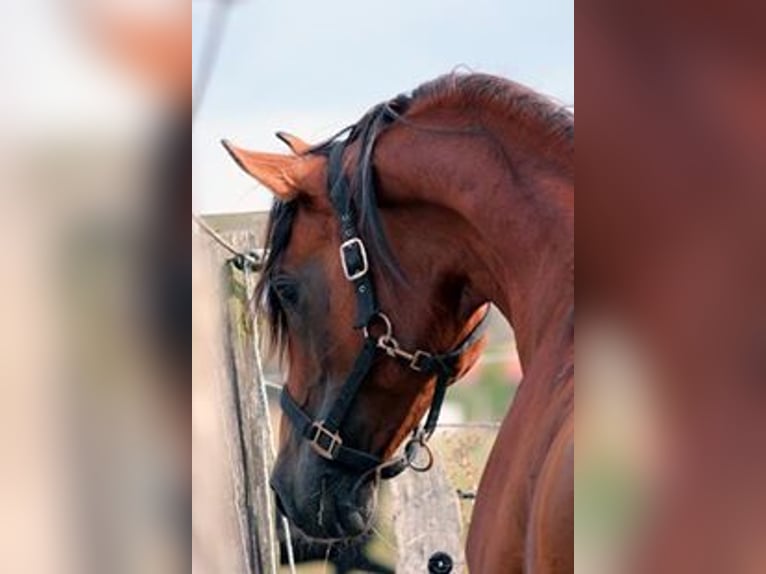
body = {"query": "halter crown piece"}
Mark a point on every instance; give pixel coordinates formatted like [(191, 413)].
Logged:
[(324, 435)]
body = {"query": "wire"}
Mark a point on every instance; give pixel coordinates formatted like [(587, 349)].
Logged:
[(254, 259), (211, 48), (470, 425), (264, 401)]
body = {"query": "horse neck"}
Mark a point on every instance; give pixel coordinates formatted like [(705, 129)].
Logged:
[(518, 224), (527, 251)]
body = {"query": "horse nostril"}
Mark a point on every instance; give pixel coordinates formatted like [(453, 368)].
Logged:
[(355, 522), (351, 517)]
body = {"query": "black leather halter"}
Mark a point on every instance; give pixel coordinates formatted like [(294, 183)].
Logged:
[(324, 435)]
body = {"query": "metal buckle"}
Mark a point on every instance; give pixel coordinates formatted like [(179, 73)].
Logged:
[(349, 244), (416, 358), (327, 451)]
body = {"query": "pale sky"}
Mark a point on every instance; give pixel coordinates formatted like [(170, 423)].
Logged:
[(313, 67)]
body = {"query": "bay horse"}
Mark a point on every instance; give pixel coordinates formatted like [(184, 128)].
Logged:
[(386, 247)]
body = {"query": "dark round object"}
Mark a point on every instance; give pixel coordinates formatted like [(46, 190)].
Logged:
[(440, 563)]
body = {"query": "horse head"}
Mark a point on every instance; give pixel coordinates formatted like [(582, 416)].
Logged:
[(368, 304)]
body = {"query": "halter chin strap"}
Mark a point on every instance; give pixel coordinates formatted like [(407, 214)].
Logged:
[(324, 435)]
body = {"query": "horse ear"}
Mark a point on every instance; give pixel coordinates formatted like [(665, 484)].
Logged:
[(295, 143), (282, 174)]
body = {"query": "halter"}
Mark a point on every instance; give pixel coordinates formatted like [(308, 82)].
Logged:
[(324, 435)]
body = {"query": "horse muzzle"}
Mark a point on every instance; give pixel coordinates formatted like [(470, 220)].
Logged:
[(324, 502)]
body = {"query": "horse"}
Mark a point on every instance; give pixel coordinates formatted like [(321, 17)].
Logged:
[(386, 244)]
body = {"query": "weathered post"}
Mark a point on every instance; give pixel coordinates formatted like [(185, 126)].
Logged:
[(242, 431), (221, 539), (253, 418), (427, 522)]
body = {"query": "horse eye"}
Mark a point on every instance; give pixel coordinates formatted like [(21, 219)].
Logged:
[(287, 290)]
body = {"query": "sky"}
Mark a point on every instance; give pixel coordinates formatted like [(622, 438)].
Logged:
[(311, 68)]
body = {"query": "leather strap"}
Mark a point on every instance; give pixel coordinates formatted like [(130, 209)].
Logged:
[(337, 183), (444, 366), (305, 425), (348, 392)]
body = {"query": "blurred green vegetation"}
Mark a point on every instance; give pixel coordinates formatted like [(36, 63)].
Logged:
[(609, 504), (487, 398)]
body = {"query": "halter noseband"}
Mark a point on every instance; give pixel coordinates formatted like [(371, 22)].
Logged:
[(324, 435)]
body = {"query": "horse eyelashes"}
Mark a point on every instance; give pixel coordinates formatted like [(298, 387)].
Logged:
[(286, 290)]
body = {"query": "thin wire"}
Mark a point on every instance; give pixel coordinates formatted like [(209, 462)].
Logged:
[(495, 358), (249, 281), (215, 235), (211, 48), (469, 425), (273, 385), (326, 559), (383, 539), (210, 52), (268, 459), (254, 260), (289, 544)]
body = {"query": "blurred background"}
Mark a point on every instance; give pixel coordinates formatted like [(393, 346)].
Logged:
[(94, 372)]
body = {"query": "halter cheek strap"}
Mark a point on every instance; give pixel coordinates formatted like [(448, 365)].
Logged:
[(353, 253), (324, 435)]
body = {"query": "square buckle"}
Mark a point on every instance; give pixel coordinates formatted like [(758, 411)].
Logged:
[(417, 357), (324, 442), (345, 248)]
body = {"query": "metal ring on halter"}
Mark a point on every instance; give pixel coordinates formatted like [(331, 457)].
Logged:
[(388, 335), (415, 446)]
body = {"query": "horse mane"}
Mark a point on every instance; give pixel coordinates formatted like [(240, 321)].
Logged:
[(366, 131), (466, 91), (278, 230)]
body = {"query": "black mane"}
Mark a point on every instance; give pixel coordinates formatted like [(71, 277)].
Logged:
[(277, 237), (366, 132)]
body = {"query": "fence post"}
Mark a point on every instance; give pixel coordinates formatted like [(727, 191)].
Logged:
[(221, 537), (426, 520), (252, 418), (247, 535)]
